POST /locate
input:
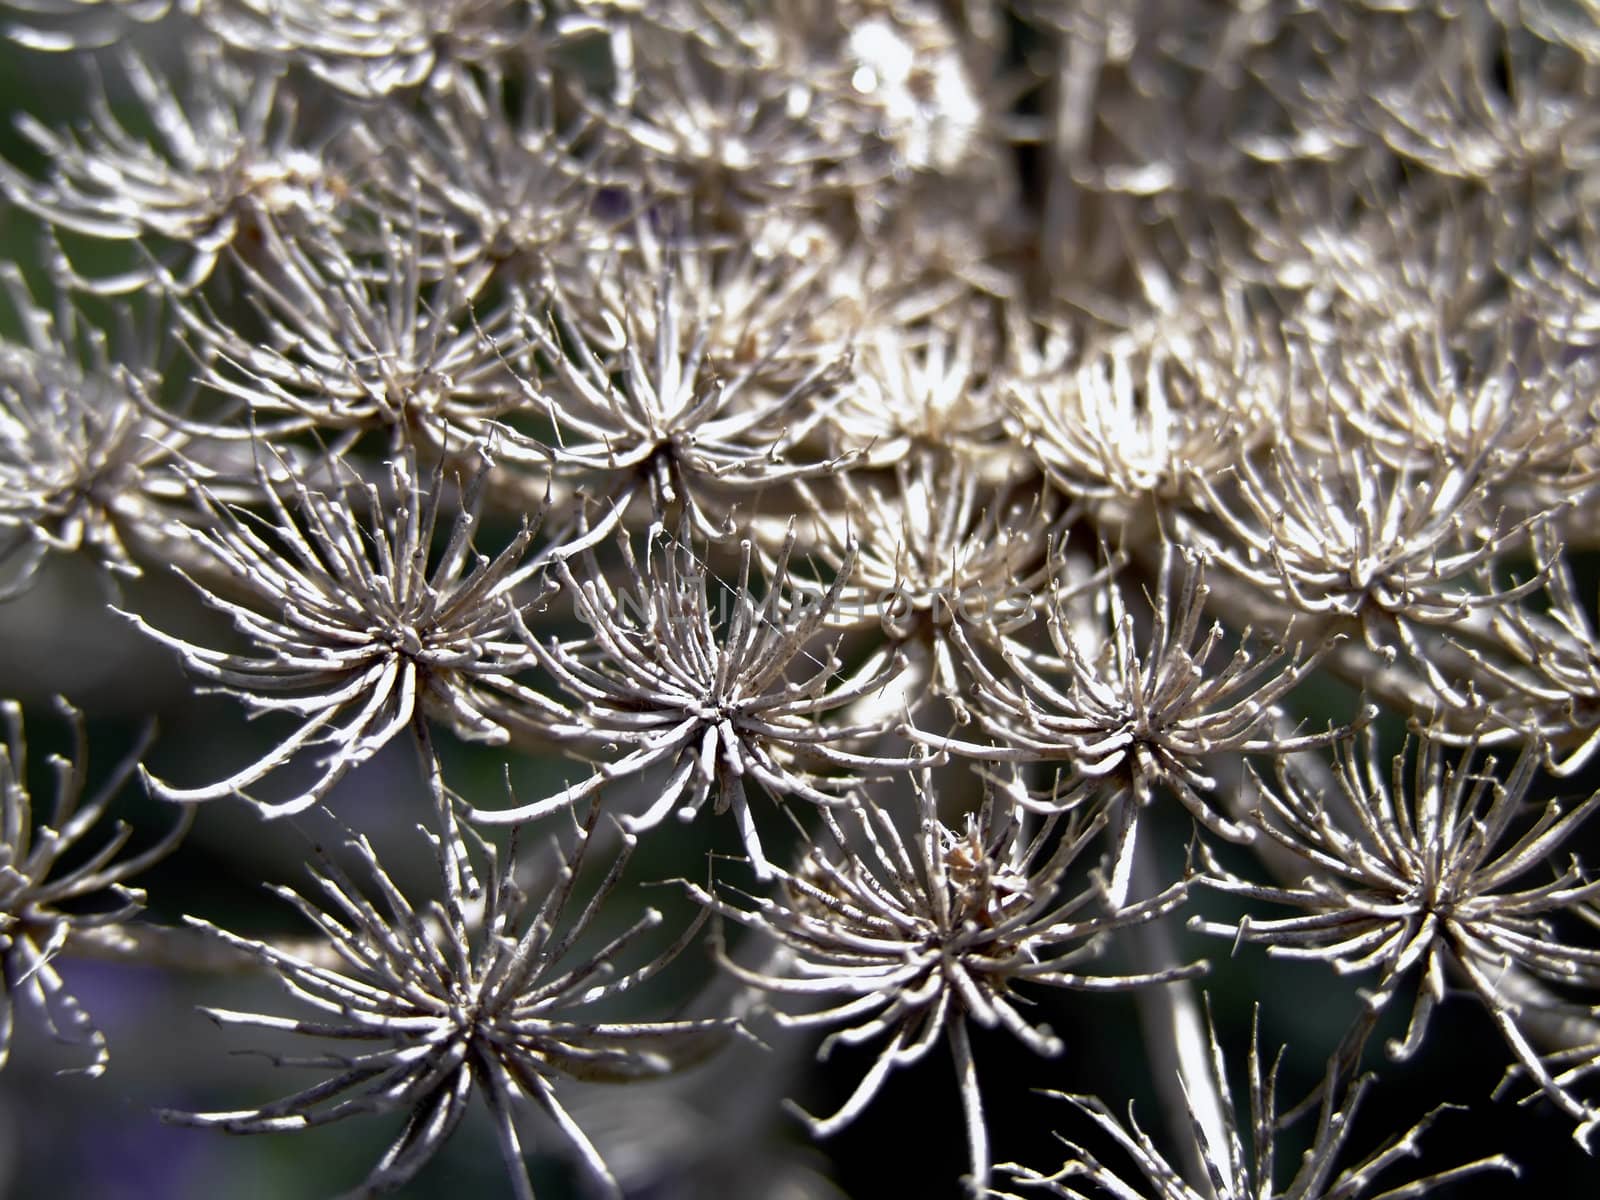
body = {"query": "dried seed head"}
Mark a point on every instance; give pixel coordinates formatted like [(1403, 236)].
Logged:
[(1426, 879), (908, 939), (475, 991), (357, 625), (685, 670)]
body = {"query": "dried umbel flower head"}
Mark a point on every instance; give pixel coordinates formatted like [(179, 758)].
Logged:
[(494, 171), (921, 390), (42, 903), (755, 304), (1137, 718), (371, 48), (1334, 532), (478, 990), (1137, 414), (1230, 1175), (1426, 879), (713, 107), (1539, 674), (356, 342), (906, 939), (638, 407), (351, 630), (226, 156), (1561, 285), (1490, 103), (1419, 390), (937, 546), (84, 462), (911, 82), (1303, 304), (688, 671)]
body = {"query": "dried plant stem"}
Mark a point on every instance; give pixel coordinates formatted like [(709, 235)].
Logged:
[(1176, 1044), (971, 1106)]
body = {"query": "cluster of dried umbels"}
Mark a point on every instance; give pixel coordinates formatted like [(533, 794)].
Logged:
[(942, 432)]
